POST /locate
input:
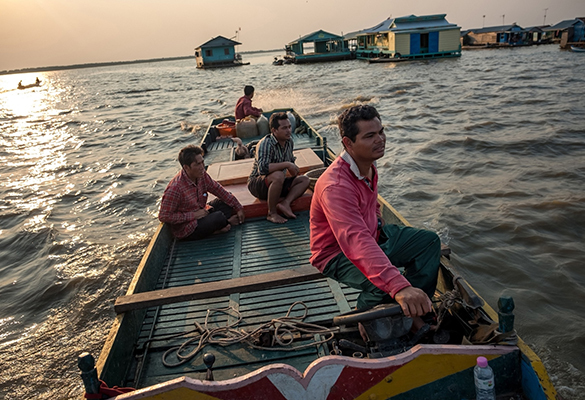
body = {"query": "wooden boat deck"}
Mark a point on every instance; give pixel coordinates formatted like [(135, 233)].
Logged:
[(256, 247)]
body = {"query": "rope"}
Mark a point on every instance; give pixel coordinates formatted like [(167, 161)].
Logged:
[(284, 334)]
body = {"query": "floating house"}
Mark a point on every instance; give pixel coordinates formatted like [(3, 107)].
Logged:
[(219, 52), (325, 47), (568, 32), (495, 36), (410, 37)]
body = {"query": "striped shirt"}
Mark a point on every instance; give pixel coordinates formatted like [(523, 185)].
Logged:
[(269, 151), (183, 197)]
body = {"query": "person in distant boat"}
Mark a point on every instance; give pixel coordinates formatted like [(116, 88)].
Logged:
[(20, 85), (38, 81), (184, 203), (244, 105), (350, 241), (268, 180)]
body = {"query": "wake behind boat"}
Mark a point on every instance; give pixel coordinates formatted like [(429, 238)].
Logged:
[(243, 315)]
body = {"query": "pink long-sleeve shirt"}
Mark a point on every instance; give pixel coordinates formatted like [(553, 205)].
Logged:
[(344, 218)]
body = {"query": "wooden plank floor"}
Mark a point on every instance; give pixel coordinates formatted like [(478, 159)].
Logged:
[(255, 247)]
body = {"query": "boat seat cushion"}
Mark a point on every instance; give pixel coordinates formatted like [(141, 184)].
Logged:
[(254, 207)]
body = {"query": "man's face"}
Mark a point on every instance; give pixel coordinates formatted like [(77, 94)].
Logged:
[(283, 133), (370, 142), (196, 168)]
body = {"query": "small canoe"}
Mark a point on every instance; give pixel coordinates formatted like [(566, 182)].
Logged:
[(577, 49), (244, 315)]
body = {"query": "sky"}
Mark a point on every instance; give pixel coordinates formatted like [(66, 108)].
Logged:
[(40, 33)]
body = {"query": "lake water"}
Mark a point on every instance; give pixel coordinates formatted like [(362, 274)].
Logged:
[(487, 149)]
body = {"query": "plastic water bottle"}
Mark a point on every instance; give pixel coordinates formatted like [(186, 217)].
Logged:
[(484, 380)]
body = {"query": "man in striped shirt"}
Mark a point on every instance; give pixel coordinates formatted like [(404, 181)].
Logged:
[(268, 180), (184, 203)]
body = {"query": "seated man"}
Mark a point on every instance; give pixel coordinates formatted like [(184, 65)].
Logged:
[(349, 240), (244, 105), (268, 181), (184, 202)]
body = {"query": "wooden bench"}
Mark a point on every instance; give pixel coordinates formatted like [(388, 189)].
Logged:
[(236, 172), (254, 207)]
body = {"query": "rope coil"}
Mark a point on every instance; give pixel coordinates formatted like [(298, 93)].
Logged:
[(284, 329)]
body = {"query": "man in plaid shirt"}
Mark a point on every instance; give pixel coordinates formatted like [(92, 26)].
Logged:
[(184, 202), (268, 181)]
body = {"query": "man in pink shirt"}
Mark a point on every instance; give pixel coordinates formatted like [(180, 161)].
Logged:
[(244, 105), (350, 241)]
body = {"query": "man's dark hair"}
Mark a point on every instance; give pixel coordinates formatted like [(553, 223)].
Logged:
[(275, 118), (348, 119), (187, 154), (248, 90)]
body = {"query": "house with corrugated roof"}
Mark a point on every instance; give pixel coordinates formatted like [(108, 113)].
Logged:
[(410, 37), (218, 52), (503, 35), (319, 46), (568, 31)]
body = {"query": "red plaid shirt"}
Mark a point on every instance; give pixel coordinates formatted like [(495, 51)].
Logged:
[(183, 197)]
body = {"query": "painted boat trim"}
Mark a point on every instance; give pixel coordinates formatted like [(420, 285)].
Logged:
[(319, 377)]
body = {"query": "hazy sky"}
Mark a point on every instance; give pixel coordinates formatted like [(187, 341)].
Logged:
[(35, 33)]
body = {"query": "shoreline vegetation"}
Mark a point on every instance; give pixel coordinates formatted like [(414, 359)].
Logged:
[(110, 63)]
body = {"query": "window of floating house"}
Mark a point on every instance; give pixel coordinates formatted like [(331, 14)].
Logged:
[(226, 51), (209, 53)]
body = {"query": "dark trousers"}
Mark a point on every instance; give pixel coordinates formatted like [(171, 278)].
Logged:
[(418, 251), (214, 221)]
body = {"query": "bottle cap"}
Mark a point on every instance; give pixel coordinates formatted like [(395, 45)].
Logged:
[(482, 362)]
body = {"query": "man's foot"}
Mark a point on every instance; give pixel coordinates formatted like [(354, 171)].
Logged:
[(275, 218), (234, 220), (285, 210), (225, 229)]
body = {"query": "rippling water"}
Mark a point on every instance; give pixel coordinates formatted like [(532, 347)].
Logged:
[(488, 150)]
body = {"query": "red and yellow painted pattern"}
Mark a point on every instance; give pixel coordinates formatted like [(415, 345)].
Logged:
[(332, 377)]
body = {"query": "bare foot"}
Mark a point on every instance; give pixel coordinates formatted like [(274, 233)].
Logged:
[(285, 210), (275, 218), (234, 220), (225, 229)]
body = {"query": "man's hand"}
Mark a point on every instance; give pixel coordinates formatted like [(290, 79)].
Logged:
[(201, 213), (293, 169), (414, 302), (241, 216)]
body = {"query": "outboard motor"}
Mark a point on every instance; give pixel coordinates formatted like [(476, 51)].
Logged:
[(386, 327)]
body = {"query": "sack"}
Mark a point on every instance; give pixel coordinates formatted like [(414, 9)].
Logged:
[(293, 121), (262, 124), (246, 128)]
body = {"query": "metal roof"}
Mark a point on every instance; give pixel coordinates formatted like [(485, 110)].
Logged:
[(489, 29), (563, 25), (317, 36), (219, 41)]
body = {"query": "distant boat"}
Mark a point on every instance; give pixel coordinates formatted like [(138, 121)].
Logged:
[(21, 86), (578, 49)]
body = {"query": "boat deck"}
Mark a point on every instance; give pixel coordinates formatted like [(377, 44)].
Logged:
[(256, 247)]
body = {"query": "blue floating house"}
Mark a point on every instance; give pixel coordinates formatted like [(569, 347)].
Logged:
[(410, 37), (218, 52), (495, 36), (326, 47), (568, 31)]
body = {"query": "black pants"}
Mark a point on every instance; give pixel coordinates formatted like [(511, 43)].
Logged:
[(214, 221)]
